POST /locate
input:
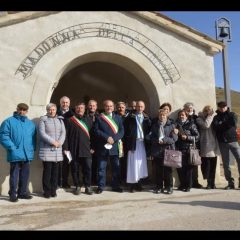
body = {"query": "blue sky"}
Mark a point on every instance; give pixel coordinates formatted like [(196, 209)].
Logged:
[(205, 22)]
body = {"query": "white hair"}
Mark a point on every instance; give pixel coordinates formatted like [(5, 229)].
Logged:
[(50, 105)]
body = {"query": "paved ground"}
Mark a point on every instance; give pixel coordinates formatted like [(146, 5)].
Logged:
[(198, 210)]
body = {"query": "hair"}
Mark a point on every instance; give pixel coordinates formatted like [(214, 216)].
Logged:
[(50, 105), (80, 103), (166, 104), (161, 111), (187, 105), (119, 103), (206, 108), (92, 100), (63, 98), (108, 100), (22, 106), (183, 111)]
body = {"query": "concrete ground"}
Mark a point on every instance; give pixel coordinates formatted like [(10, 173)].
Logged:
[(199, 209)]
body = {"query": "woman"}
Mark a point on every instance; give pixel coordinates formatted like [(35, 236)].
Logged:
[(188, 133), (52, 135), (208, 145), (163, 136)]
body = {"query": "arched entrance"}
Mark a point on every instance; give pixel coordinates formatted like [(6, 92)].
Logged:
[(105, 76)]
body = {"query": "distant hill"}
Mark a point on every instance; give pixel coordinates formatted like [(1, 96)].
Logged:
[(235, 97)]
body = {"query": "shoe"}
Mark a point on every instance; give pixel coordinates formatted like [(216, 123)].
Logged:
[(88, 191), (181, 188), (229, 186), (77, 191), (197, 185), (66, 185), (169, 190), (25, 197), (208, 187), (53, 194), (139, 187), (99, 191), (158, 190), (213, 186), (120, 190), (46, 195), (187, 189), (13, 199)]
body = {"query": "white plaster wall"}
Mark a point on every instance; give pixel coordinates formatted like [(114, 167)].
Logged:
[(17, 41)]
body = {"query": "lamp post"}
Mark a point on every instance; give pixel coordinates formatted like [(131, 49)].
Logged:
[(223, 34)]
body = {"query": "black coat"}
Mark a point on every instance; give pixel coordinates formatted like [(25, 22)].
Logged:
[(190, 129), (157, 150), (225, 125), (77, 142), (130, 136)]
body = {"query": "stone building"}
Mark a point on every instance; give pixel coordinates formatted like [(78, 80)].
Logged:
[(117, 55)]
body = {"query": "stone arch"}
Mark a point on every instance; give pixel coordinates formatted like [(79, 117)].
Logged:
[(61, 60)]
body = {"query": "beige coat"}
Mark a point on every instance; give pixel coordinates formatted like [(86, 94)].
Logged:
[(208, 141)]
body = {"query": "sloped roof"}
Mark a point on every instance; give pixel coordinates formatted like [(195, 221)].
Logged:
[(158, 18), (183, 30)]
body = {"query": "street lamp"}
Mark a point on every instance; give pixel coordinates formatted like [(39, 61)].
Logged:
[(223, 34)]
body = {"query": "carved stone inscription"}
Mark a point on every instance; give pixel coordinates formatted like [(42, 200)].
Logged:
[(138, 41)]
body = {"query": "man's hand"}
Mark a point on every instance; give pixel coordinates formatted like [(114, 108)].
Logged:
[(56, 144), (110, 140)]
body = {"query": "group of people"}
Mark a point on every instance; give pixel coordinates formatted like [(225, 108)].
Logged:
[(83, 136)]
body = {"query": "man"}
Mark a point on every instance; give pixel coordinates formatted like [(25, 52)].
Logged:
[(189, 108), (225, 125), (17, 135), (137, 127), (108, 130), (78, 131), (121, 111), (93, 113), (132, 107), (64, 111)]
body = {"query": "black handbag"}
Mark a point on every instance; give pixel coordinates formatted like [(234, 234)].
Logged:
[(194, 156), (172, 158)]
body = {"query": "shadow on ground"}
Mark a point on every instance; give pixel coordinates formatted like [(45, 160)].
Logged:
[(211, 204)]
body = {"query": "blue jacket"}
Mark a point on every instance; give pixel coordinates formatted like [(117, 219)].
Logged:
[(18, 136), (102, 131)]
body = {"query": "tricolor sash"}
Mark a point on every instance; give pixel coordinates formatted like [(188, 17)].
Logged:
[(81, 124), (110, 121)]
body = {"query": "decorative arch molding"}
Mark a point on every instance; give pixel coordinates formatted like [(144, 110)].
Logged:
[(132, 38)]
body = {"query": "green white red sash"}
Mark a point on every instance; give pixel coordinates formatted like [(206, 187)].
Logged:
[(110, 121), (81, 124)]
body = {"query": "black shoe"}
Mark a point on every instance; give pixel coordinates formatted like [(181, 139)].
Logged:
[(213, 186), (229, 186), (117, 190), (99, 191), (88, 191), (139, 187), (158, 190), (66, 185), (25, 197), (187, 189), (181, 188), (131, 190), (197, 185), (208, 187), (169, 190), (53, 194), (77, 191), (46, 195), (13, 199)]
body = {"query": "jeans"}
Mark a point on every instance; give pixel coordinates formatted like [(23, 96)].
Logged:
[(102, 164), (19, 175), (224, 149)]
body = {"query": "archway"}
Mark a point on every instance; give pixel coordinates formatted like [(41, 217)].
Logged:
[(105, 76)]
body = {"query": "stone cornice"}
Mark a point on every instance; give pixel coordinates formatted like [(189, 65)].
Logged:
[(18, 17), (213, 46)]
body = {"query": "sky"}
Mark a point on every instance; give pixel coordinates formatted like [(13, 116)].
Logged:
[(204, 21)]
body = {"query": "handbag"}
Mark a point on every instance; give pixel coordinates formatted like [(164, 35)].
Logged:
[(194, 157), (172, 158)]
